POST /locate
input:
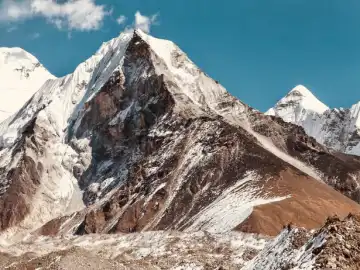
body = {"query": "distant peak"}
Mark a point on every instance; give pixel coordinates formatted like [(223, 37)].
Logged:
[(302, 95), (298, 99), (16, 53), (301, 91)]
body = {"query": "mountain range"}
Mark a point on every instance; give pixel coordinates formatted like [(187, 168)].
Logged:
[(140, 160)]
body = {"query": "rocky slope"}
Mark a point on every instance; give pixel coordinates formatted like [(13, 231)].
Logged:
[(145, 250), (334, 246), (338, 170), (21, 75), (139, 139), (338, 129)]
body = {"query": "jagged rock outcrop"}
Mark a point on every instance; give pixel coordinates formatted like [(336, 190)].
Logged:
[(334, 246)]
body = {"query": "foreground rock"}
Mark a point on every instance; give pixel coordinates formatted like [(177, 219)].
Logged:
[(334, 246)]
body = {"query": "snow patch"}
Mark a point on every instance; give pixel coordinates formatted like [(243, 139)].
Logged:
[(231, 208)]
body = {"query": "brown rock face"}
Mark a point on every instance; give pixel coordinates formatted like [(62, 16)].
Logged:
[(172, 194), (20, 183)]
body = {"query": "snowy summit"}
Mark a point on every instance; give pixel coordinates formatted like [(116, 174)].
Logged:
[(338, 129), (297, 104), (21, 75)]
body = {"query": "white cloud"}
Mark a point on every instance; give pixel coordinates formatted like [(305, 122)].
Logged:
[(14, 10), (121, 20), (144, 23), (83, 15)]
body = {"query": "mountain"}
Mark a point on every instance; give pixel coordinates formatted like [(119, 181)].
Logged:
[(139, 139), (338, 129), (21, 75), (298, 105)]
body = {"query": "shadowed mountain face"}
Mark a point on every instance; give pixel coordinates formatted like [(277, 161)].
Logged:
[(139, 139)]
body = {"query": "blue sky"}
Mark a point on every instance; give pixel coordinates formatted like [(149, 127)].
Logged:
[(258, 49)]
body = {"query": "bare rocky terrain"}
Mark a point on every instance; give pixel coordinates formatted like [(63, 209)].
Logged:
[(334, 246), (147, 250)]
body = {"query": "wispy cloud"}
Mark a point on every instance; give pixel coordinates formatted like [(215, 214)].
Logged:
[(82, 15), (143, 22), (11, 29), (35, 36), (121, 20)]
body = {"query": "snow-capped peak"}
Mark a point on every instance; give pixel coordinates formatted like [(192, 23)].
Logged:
[(335, 128), (308, 99), (21, 75), (297, 104), (301, 96), (301, 89), (125, 70)]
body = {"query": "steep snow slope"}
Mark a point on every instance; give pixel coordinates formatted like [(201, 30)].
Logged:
[(21, 75), (335, 128)]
